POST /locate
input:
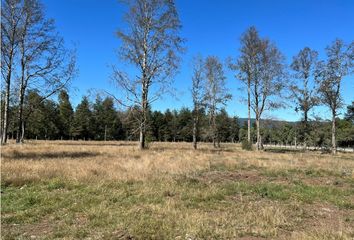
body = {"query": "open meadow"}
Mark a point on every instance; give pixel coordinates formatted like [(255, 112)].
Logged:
[(112, 190)]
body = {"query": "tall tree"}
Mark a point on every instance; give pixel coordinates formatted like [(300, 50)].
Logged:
[(304, 91), (268, 82), (66, 115), (152, 44), (223, 126), (44, 62), (171, 129), (216, 94), (330, 73), (234, 129), (11, 13), (158, 126), (99, 125), (246, 65), (44, 122), (198, 95), (185, 125), (107, 124), (82, 124)]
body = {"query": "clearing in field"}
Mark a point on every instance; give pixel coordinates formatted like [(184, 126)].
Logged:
[(112, 190)]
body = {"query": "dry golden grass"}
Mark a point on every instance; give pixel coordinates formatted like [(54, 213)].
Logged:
[(112, 190), (84, 161)]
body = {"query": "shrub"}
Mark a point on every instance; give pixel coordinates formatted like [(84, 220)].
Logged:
[(246, 145)]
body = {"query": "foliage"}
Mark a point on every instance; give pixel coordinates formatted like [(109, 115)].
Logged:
[(246, 145), (93, 120), (349, 115)]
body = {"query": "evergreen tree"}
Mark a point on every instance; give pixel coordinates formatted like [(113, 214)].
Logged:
[(82, 124), (158, 126), (184, 125), (223, 130), (349, 115), (234, 130), (98, 119), (44, 120), (111, 121), (345, 133), (66, 115)]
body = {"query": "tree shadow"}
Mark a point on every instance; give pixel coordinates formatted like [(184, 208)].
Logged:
[(82, 143), (283, 150), (17, 155)]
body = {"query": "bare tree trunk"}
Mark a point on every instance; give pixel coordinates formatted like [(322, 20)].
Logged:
[(7, 98), (11, 53), (6, 111), (195, 130), (143, 119), (259, 139), (22, 131), (249, 112), (306, 128), (142, 136), (334, 144), (214, 128), (295, 142)]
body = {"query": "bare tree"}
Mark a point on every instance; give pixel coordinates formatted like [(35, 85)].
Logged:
[(246, 64), (151, 43), (11, 13), (304, 91), (198, 95), (268, 82), (44, 63), (216, 93), (330, 73)]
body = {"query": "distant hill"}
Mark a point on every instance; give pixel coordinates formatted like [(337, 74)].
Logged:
[(267, 122)]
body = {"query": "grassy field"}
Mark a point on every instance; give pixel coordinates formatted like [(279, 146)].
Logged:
[(111, 190)]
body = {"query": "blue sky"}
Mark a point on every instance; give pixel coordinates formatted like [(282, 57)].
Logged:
[(211, 28)]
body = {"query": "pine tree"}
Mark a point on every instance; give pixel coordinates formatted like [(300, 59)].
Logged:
[(99, 125), (82, 124), (349, 115), (66, 115), (44, 121), (111, 122), (185, 125)]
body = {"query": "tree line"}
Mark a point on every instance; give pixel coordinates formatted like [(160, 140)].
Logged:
[(101, 120), (36, 66)]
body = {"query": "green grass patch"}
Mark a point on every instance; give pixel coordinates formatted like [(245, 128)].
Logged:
[(155, 209)]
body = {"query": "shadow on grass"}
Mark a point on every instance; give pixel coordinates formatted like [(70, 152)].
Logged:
[(17, 155), (283, 150), (202, 149), (81, 143)]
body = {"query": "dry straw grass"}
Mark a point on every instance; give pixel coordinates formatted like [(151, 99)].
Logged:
[(84, 161)]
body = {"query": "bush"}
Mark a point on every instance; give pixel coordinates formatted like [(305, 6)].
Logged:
[(246, 145)]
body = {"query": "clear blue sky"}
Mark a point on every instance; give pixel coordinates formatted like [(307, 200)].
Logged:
[(211, 27)]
